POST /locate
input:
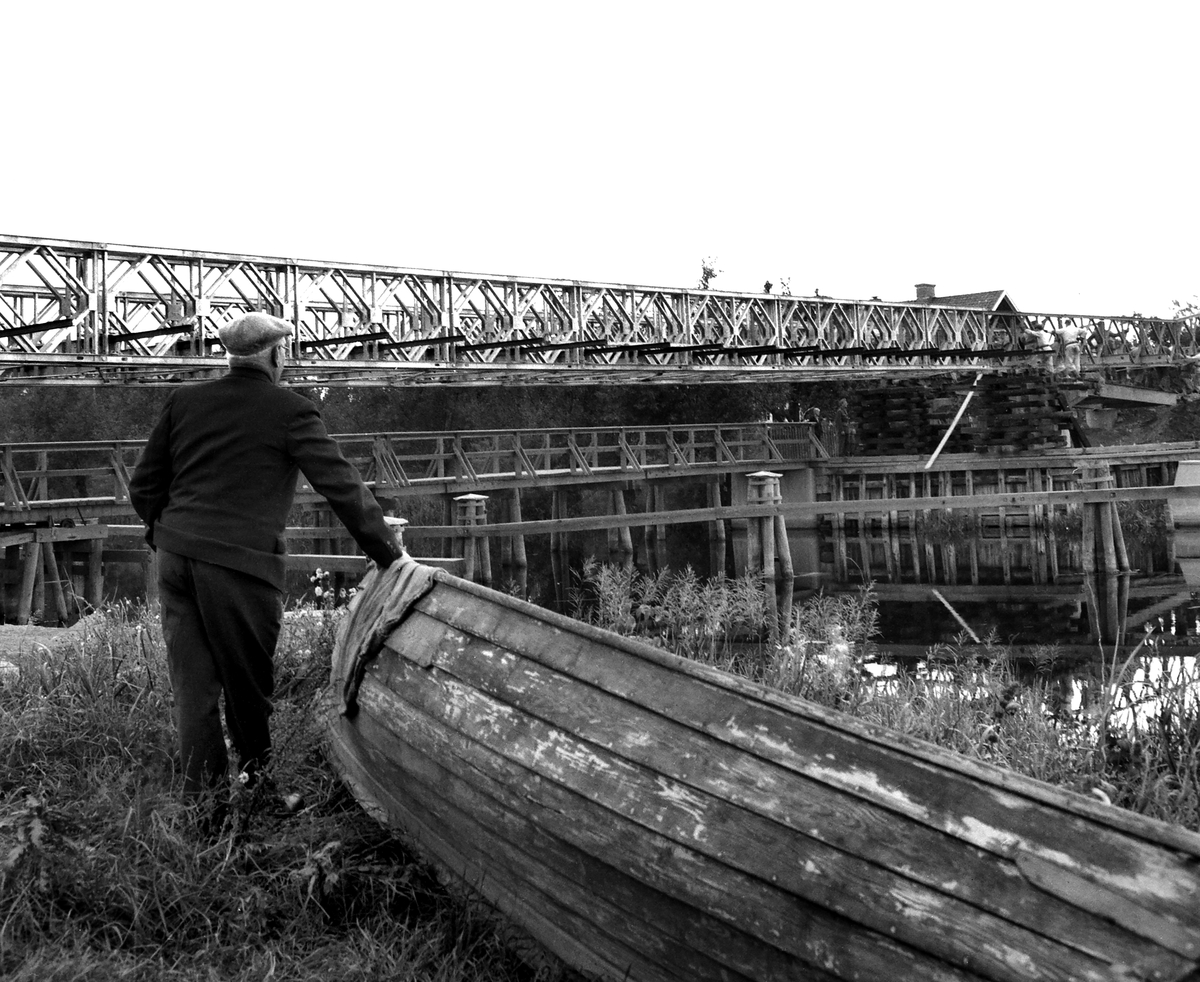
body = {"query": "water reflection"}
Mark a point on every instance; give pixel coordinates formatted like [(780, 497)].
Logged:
[(1111, 649), (1037, 597), (1027, 590)]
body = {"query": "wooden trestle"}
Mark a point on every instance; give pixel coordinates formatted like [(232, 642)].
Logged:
[(74, 498), (50, 488)]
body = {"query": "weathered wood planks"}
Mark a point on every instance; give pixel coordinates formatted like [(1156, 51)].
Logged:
[(640, 813)]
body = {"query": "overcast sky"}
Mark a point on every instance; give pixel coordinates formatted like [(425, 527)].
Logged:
[(852, 148)]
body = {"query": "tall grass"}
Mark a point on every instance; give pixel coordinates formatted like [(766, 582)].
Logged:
[(1135, 743), (104, 874), (699, 619)]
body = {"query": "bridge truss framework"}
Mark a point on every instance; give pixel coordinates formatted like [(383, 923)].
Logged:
[(88, 312)]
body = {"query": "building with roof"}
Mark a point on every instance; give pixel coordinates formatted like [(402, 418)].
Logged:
[(993, 301)]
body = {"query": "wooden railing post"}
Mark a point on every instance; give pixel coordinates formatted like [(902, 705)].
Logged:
[(767, 539)]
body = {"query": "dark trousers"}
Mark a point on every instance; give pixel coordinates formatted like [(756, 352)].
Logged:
[(220, 626)]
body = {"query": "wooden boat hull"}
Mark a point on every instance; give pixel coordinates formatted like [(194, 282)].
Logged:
[(646, 817)]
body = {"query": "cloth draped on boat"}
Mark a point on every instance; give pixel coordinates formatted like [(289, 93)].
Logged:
[(385, 598)]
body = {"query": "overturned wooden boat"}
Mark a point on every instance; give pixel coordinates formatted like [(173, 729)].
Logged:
[(645, 817)]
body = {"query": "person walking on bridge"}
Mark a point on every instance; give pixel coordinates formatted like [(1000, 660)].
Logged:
[(214, 486)]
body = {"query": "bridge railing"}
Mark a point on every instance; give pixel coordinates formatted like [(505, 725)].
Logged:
[(73, 306), (399, 460), (38, 476), (58, 477)]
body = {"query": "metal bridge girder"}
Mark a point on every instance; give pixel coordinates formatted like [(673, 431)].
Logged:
[(85, 311)]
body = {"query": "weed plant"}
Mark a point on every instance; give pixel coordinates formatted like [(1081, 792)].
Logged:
[(104, 874), (1128, 734), (1143, 520), (713, 621)]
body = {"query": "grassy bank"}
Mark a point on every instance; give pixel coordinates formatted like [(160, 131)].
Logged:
[(104, 875)]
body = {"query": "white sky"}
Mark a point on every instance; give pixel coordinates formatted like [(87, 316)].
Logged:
[(1045, 148)]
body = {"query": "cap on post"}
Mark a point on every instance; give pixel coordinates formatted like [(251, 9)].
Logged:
[(252, 333)]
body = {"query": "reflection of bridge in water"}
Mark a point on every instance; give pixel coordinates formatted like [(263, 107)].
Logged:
[(94, 312)]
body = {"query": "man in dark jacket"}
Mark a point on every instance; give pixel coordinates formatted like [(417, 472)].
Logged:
[(214, 485)]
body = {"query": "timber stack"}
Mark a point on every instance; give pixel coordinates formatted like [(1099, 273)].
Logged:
[(1008, 413)]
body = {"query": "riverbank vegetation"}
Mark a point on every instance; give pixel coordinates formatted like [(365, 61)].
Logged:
[(1125, 733), (105, 876)]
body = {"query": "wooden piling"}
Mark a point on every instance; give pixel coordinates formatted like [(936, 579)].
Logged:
[(39, 583), (864, 542), (648, 533), (660, 531), (559, 555), (1102, 532), (930, 552), (949, 549), (1038, 531), (1095, 629), (1112, 620), (763, 489), (475, 550), (1087, 556), (616, 504), (787, 573), (1123, 605), (93, 584), (716, 534), (841, 561), (54, 585), (892, 521), (977, 530), (913, 533), (624, 533), (31, 561), (464, 547), (1119, 539), (519, 558), (1107, 545), (1005, 552)]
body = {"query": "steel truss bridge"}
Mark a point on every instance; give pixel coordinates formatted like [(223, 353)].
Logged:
[(88, 312)]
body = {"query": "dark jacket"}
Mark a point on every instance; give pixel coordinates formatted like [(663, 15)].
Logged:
[(218, 475)]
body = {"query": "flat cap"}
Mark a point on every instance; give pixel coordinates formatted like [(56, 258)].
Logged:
[(252, 333)]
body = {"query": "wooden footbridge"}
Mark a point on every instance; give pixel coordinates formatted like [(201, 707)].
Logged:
[(89, 312), (65, 518)]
